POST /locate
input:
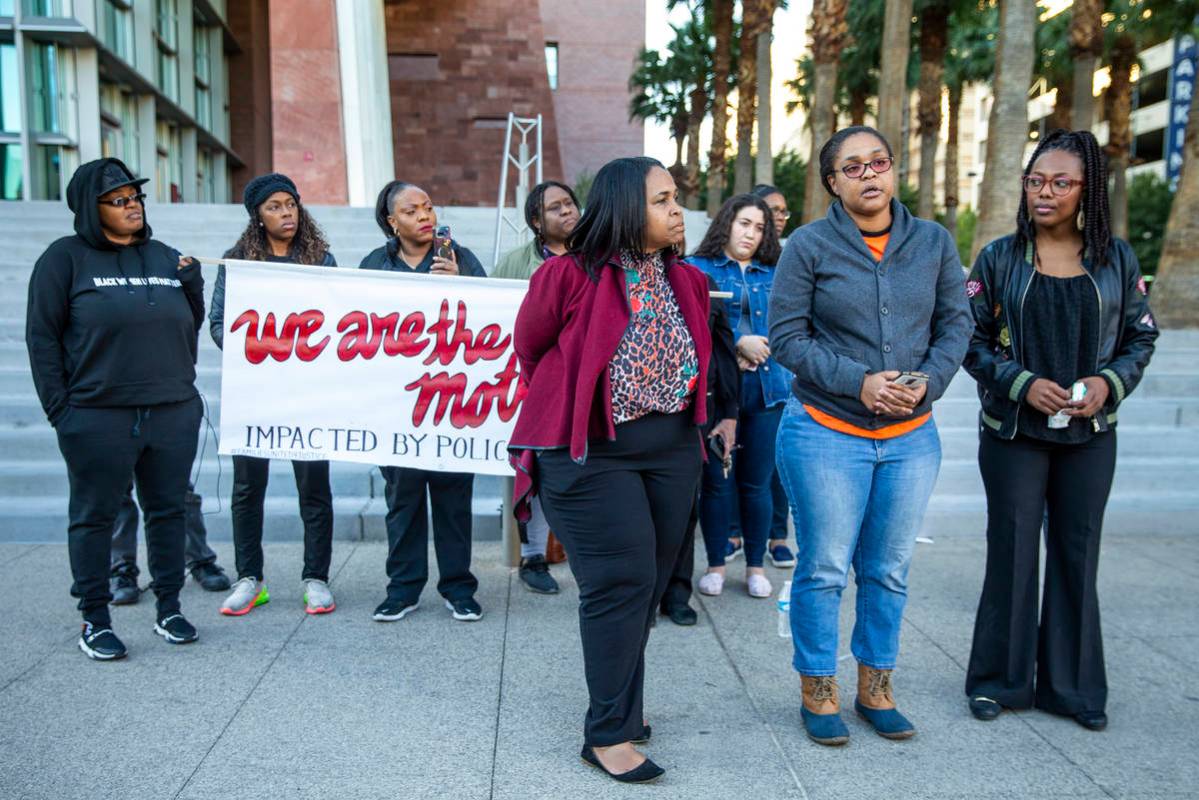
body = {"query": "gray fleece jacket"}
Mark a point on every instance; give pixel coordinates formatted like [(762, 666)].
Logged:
[(837, 315)]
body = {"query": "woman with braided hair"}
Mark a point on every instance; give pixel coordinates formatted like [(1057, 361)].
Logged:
[(1058, 304)]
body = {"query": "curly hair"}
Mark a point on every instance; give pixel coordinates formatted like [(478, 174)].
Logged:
[(717, 237), (308, 246), (1094, 207)]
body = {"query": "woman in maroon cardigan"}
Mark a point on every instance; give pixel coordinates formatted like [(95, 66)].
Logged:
[(614, 346)]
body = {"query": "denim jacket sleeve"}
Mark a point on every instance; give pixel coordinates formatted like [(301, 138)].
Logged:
[(1138, 331), (790, 326), (951, 325), (988, 358)]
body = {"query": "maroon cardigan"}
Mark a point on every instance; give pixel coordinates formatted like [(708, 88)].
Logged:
[(566, 334)]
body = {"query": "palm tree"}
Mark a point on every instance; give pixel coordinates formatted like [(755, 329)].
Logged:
[(1176, 290), (893, 86), (971, 59), (764, 165), (1086, 47), (858, 71), (828, 33), (934, 39), (1053, 67), (660, 95), (721, 14), (755, 19), (1007, 130)]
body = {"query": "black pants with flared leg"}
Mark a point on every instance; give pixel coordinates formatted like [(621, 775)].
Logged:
[(622, 516), (1056, 665)]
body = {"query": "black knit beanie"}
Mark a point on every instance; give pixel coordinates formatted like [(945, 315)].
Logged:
[(262, 187)]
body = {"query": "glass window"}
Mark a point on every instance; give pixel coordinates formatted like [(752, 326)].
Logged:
[(10, 172), (168, 75), (47, 172), (205, 180), (46, 8), (6, 8), (168, 171), (118, 122), (167, 22), (203, 107), (203, 60), (46, 97), (551, 63), (10, 90), (1151, 88), (116, 28)]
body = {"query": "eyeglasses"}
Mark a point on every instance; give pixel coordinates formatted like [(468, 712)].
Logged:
[(781, 213), (857, 169), (1058, 187), (124, 200)]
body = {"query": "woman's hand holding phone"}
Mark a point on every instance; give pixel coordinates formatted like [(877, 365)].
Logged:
[(445, 266)]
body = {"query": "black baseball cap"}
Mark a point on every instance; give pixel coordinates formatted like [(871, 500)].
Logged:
[(116, 175)]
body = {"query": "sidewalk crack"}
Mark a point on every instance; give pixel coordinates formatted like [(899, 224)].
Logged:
[(499, 699)]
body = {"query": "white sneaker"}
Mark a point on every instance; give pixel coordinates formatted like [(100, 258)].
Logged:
[(759, 586), (247, 594), (711, 584), (317, 597)]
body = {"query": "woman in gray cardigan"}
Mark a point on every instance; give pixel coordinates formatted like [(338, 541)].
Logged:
[(869, 312)]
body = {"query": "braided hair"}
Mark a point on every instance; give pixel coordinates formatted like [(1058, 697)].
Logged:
[(1096, 212), (535, 208)]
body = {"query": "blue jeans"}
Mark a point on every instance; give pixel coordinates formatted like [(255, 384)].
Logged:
[(860, 501), (745, 494)]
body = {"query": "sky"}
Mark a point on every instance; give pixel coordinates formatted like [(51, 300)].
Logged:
[(790, 40)]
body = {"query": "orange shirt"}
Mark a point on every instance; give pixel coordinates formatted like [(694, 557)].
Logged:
[(877, 245)]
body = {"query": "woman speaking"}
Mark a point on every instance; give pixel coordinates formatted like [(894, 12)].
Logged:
[(614, 345)]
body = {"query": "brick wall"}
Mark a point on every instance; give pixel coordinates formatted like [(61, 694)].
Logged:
[(306, 99), (597, 45), (250, 93), (456, 70)]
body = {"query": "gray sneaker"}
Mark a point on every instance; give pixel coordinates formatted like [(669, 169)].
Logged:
[(247, 594), (317, 597)]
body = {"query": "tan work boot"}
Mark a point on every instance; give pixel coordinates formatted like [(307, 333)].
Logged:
[(876, 704), (821, 710), (820, 694), (874, 688)]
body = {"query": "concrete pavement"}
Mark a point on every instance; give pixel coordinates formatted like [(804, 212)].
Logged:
[(281, 705)]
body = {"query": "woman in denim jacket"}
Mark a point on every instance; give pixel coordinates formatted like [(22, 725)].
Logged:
[(739, 252)]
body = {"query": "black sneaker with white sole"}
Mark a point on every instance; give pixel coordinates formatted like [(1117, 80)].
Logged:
[(391, 610), (176, 630), (465, 610), (535, 575), (122, 585), (100, 643)]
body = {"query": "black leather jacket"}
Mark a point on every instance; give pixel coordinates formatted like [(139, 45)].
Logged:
[(997, 287)]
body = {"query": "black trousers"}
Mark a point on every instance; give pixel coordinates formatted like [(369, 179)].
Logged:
[(1058, 665), (250, 477), (622, 516), (407, 492), (103, 449), (124, 535), (678, 585)]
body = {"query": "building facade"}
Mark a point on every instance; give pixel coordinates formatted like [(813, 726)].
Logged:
[(343, 95), (142, 80)]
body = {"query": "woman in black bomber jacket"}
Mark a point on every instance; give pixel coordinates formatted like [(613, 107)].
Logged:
[(111, 329), (1058, 303)]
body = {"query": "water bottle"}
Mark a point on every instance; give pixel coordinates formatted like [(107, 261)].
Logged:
[(784, 602)]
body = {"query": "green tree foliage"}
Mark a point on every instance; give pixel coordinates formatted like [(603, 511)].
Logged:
[(1149, 200)]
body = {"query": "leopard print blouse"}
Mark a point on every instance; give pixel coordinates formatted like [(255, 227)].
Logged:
[(655, 369)]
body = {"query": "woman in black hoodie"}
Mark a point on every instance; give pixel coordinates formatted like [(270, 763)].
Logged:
[(111, 329), (280, 230)]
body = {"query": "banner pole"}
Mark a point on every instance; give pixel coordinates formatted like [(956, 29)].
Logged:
[(510, 534)]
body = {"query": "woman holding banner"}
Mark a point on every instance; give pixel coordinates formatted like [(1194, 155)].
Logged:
[(111, 329), (406, 216), (280, 230), (614, 344)]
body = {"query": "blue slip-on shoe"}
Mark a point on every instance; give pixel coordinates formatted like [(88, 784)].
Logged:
[(826, 729), (781, 556), (887, 722), (733, 551)]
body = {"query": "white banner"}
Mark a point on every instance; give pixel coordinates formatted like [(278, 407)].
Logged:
[(366, 366)]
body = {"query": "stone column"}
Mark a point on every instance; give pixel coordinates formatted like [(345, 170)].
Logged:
[(366, 98)]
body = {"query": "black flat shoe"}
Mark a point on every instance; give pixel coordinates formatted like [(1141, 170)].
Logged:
[(1091, 720), (646, 772), (984, 708), (644, 737), (681, 614)]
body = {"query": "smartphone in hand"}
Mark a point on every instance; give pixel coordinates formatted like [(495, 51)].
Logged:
[(910, 380), (443, 245)]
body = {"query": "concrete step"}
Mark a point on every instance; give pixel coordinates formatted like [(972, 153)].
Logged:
[(1162, 513), (1135, 475), (44, 519)]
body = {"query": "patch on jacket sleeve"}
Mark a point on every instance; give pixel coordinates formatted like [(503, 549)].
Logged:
[(1141, 287), (1147, 320), (1005, 337), (974, 287)]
